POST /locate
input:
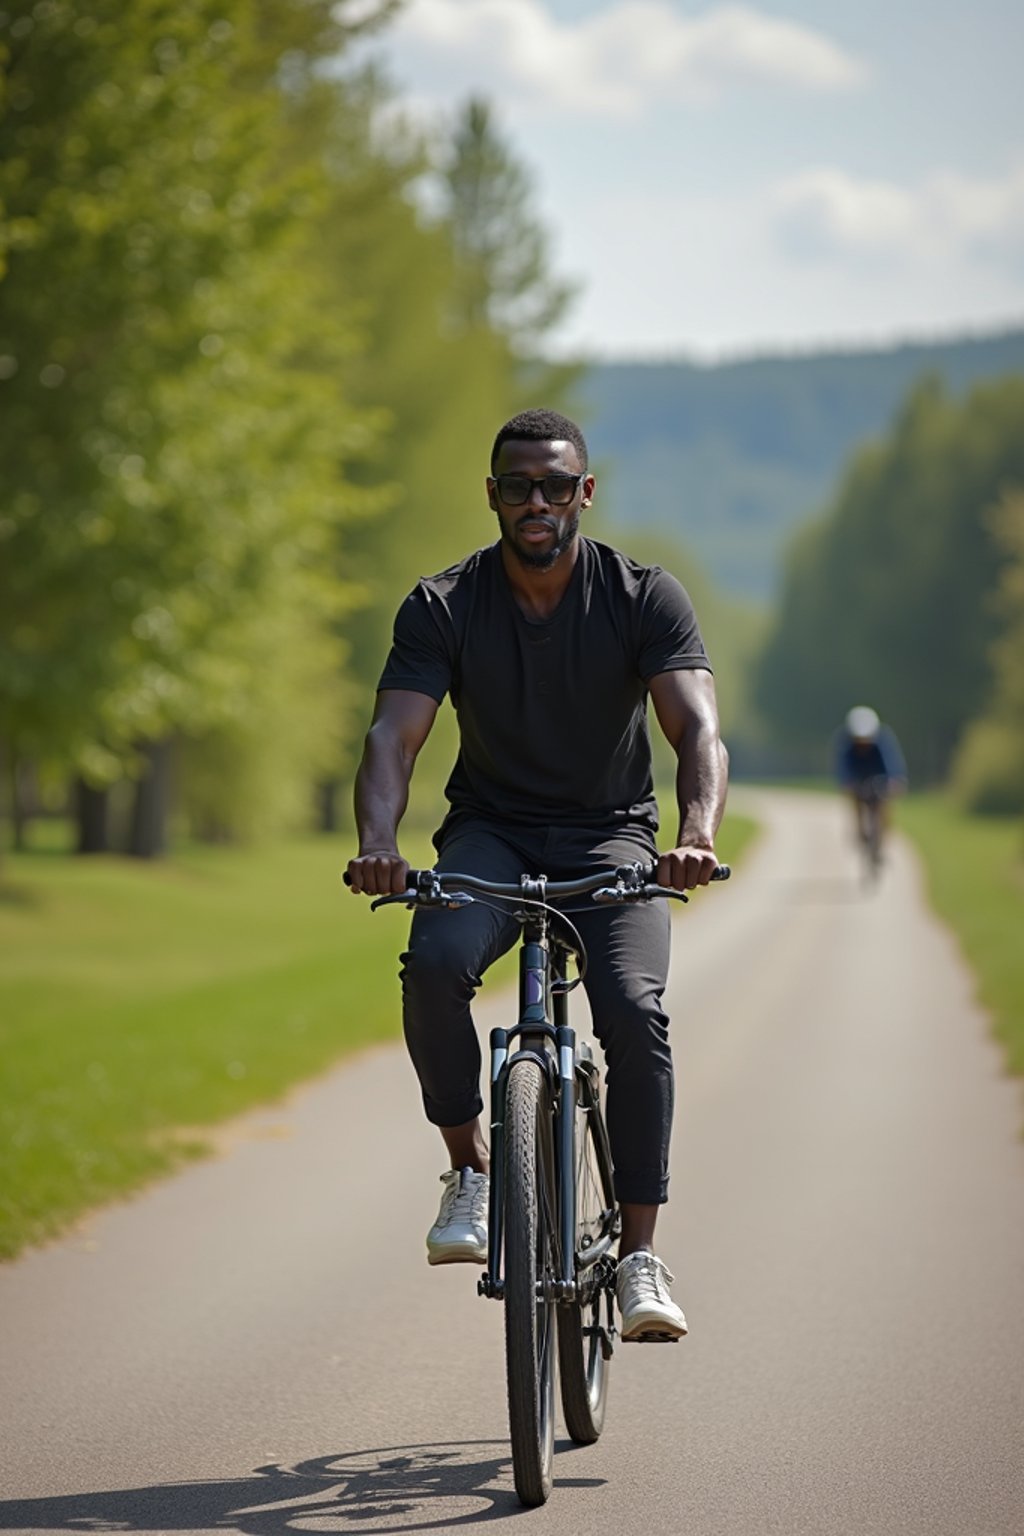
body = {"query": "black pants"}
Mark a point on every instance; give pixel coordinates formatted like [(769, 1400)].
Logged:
[(628, 953)]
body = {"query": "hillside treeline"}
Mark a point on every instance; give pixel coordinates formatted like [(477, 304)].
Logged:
[(733, 457), (255, 337), (908, 594)]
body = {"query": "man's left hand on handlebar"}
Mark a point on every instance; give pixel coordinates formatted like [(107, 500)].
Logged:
[(686, 867)]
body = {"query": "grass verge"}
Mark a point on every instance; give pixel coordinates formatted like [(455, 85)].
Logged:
[(975, 872), (139, 999)]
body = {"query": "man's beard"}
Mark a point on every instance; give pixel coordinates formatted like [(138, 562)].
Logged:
[(542, 562)]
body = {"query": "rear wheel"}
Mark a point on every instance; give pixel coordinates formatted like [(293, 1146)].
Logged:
[(584, 1326), (529, 1271)]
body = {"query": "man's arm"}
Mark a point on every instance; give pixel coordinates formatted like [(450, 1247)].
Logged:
[(893, 760), (684, 702), (401, 724)]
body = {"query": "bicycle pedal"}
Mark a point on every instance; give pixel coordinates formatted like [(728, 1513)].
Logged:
[(651, 1338)]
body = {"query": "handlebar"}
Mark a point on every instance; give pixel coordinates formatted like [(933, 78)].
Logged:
[(629, 882)]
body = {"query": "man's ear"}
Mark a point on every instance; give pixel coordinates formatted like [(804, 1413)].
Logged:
[(589, 486), (492, 498)]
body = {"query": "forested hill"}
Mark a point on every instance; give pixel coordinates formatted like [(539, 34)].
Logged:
[(732, 456)]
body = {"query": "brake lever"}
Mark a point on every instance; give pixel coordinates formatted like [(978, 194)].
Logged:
[(620, 895), (449, 901), (407, 899)]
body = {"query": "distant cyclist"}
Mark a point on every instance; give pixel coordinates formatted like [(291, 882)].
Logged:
[(870, 769)]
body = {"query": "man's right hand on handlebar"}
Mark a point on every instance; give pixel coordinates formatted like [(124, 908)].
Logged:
[(381, 872)]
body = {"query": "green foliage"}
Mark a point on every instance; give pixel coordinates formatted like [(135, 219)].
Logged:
[(975, 869), (501, 261), (988, 773), (245, 402), (136, 1000), (886, 599), (172, 414), (250, 775)]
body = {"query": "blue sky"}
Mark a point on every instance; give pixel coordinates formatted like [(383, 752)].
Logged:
[(728, 178)]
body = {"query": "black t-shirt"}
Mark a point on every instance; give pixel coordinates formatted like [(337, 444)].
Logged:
[(552, 714)]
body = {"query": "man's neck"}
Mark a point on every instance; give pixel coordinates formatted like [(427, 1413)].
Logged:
[(538, 593)]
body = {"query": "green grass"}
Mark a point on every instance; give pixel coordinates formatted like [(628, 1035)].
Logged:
[(975, 872), (140, 1001), (136, 1000)]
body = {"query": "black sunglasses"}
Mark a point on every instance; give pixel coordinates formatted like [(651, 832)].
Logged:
[(557, 490)]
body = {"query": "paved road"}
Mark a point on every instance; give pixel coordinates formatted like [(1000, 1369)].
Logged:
[(258, 1346)]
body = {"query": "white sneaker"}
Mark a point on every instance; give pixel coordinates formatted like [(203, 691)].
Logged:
[(648, 1311), (459, 1235)]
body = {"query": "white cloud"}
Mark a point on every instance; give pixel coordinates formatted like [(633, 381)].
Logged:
[(614, 62), (827, 213)]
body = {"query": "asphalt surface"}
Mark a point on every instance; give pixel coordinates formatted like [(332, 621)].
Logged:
[(258, 1345)]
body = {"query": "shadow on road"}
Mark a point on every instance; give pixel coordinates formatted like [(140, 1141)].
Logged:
[(390, 1488)]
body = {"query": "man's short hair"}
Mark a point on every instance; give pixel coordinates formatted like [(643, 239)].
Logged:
[(540, 426)]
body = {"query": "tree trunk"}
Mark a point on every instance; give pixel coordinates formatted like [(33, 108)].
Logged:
[(327, 805), (92, 814), (19, 807), (148, 834), (20, 796)]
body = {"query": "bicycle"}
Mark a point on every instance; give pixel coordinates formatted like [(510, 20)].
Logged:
[(870, 794), (553, 1216)]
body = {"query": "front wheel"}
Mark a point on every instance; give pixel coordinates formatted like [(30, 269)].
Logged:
[(871, 836), (584, 1335), (529, 1272)]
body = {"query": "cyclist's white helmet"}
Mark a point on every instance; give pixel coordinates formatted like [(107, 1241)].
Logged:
[(862, 723)]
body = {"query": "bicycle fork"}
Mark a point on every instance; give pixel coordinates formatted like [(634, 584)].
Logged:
[(553, 1047)]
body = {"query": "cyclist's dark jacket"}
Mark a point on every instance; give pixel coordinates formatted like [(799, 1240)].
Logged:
[(552, 714), (878, 759)]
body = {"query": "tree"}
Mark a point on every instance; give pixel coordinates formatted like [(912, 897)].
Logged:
[(988, 772), (173, 417), (502, 275)]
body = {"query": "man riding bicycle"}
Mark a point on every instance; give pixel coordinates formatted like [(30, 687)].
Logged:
[(869, 767), (548, 644)]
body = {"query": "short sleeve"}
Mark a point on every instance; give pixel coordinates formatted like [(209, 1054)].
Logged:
[(421, 654), (891, 754), (670, 638), (841, 759)]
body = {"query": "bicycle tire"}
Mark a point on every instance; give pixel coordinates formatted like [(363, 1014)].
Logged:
[(529, 1316), (876, 841), (871, 838), (583, 1365)]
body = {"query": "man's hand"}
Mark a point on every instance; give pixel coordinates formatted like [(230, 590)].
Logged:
[(381, 873), (683, 869)]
